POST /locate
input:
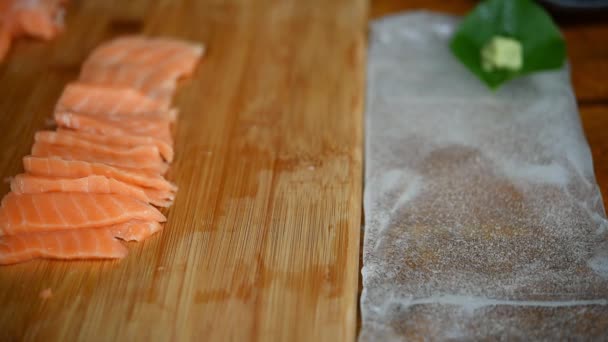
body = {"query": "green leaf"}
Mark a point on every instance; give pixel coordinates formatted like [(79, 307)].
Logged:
[(523, 20)]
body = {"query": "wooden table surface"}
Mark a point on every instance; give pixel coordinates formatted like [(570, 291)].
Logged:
[(262, 242), (587, 44), (263, 239)]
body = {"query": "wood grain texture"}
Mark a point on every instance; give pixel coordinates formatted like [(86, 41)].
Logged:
[(588, 55), (262, 242)]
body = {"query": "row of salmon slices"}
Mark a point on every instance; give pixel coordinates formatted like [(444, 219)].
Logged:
[(42, 19), (100, 175)]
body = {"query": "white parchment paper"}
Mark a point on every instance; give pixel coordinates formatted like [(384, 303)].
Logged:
[(483, 218)]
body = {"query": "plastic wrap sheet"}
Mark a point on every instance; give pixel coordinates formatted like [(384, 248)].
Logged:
[(483, 216)]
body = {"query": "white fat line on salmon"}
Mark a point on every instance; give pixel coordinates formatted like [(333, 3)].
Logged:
[(60, 17), (80, 104), (118, 104)]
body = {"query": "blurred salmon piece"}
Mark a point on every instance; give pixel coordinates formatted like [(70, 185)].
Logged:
[(126, 141), (116, 100), (42, 19), (157, 128), (150, 65)]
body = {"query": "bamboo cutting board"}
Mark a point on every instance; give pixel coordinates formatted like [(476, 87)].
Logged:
[(262, 242)]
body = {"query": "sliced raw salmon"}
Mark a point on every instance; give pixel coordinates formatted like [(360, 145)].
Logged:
[(128, 141), (36, 18), (30, 184), (143, 153), (57, 167), (95, 179), (135, 230), (141, 50), (113, 158), (39, 22), (92, 99), (152, 66), (108, 125), (157, 84), (41, 19), (26, 213), (87, 243), (65, 244)]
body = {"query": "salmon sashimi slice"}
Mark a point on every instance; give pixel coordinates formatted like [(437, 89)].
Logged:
[(41, 19), (126, 141), (138, 153), (42, 22), (152, 66), (161, 59), (57, 167), (107, 125), (26, 213), (29, 184), (157, 84), (65, 244), (114, 158), (135, 230), (92, 99), (141, 50)]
